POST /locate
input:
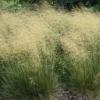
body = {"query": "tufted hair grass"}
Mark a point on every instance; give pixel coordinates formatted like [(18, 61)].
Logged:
[(39, 48)]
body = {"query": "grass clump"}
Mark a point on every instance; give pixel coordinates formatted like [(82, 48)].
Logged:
[(22, 78), (45, 50)]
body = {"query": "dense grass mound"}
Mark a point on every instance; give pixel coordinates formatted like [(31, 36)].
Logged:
[(45, 50)]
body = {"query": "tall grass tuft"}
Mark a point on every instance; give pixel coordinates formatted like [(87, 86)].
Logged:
[(22, 78), (43, 50)]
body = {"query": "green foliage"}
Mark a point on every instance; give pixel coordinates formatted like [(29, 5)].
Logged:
[(16, 5), (96, 7)]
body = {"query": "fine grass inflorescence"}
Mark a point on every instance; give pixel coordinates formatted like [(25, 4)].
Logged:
[(42, 51)]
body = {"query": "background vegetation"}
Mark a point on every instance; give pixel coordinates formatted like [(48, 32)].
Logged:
[(65, 4)]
